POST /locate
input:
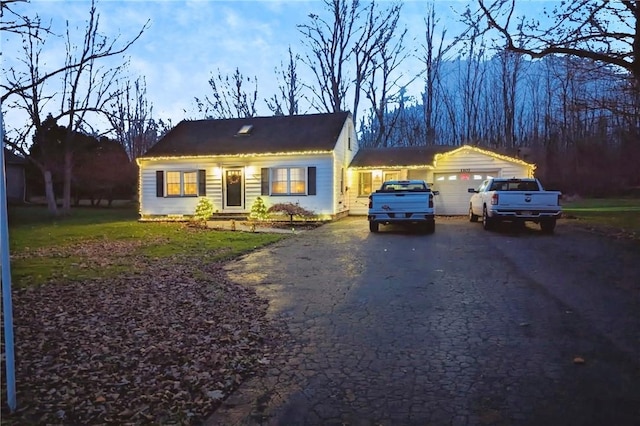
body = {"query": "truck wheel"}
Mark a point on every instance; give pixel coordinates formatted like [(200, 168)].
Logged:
[(430, 227), (547, 226), (472, 217), (487, 222), (374, 226)]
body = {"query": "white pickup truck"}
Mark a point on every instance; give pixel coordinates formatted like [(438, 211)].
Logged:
[(515, 200), (402, 202)]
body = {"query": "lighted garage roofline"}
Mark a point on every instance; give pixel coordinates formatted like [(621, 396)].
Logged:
[(482, 151)]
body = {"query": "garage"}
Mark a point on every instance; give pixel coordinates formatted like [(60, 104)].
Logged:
[(453, 197), (449, 170)]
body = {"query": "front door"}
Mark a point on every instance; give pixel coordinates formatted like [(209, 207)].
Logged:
[(234, 197)]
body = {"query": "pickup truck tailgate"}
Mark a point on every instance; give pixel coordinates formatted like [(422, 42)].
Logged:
[(522, 199), (401, 202)]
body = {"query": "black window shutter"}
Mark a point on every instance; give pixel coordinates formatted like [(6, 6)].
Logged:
[(264, 181), (159, 183), (202, 182), (311, 181)]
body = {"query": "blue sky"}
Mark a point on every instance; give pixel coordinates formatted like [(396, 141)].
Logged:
[(187, 41)]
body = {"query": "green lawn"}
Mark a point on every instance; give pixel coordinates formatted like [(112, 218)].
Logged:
[(618, 213), (101, 242)]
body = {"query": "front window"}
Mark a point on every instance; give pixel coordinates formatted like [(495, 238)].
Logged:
[(391, 176), (180, 184), (288, 181), (364, 184), (190, 183)]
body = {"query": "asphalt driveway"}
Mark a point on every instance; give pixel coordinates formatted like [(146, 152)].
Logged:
[(462, 327)]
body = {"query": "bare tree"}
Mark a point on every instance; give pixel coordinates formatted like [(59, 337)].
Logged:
[(509, 73), (287, 100), (131, 118), (329, 42), (601, 30), (85, 90), (31, 100), (378, 44), (229, 98), (432, 58), (381, 82), (472, 79)]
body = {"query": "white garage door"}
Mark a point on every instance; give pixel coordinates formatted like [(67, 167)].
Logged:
[(454, 197)]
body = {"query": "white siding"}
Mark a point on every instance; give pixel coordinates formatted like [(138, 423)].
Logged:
[(151, 205), (345, 150), (454, 198), (319, 204), (360, 204)]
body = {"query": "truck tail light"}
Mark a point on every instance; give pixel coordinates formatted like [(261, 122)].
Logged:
[(494, 199), (430, 200), (370, 202)]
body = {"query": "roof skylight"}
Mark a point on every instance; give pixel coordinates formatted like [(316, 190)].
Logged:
[(245, 130)]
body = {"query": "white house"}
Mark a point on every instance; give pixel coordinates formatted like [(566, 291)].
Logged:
[(449, 170), (300, 159), (312, 160)]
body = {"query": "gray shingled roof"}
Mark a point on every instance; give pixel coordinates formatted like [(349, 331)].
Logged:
[(398, 156), (313, 132)]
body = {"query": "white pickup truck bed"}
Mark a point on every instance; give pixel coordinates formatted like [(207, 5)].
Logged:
[(515, 199), (404, 202)]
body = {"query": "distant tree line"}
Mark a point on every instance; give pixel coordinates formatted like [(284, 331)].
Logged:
[(565, 96)]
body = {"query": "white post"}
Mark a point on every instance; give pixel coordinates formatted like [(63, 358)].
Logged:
[(7, 305)]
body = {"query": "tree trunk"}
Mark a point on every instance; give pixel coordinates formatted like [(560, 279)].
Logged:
[(66, 198), (48, 189)]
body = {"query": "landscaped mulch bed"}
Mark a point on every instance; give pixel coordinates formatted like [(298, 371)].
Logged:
[(163, 344)]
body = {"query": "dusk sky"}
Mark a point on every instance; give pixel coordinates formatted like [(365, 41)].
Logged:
[(188, 41)]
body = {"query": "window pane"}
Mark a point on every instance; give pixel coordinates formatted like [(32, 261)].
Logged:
[(391, 175), (298, 182), (298, 187), (173, 183), (364, 183), (278, 181), (190, 183), (279, 187)]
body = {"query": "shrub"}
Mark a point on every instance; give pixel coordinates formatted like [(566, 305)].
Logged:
[(291, 209), (259, 210), (204, 210)]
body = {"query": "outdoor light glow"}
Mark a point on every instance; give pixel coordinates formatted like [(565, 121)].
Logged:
[(485, 152), (232, 156), (139, 191)]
